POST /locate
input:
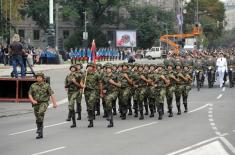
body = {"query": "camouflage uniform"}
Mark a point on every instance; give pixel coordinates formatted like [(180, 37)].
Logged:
[(110, 94), (125, 91), (179, 87), (140, 91), (170, 89), (41, 92), (97, 105), (91, 92), (73, 92), (186, 87)]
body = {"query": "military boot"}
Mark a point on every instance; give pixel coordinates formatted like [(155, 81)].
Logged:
[(79, 116), (179, 110), (151, 113), (141, 115), (136, 113), (110, 119), (40, 131), (69, 116), (185, 107), (159, 115), (162, 107), (73, 119), (105, 114), (130, 111), (91, 124), (170, 113), (123, 116), (146, 110)]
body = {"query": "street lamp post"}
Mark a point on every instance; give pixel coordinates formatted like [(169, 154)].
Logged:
[(85, 33)]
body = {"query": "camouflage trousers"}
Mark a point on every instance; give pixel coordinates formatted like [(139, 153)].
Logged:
[(159, 95), (169, 96), (140, 94), (79, 102), (91, 96), (185, 92), (109, 99), (72, 98), (178, 93), (124, 96), (39, 111)]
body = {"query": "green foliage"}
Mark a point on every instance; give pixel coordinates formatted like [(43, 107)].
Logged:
[(210, 11), (150, 23)]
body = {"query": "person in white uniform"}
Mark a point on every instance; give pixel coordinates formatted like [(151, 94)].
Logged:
[(221, 64)]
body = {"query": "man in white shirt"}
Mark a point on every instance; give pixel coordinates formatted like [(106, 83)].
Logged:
[(221, 64)]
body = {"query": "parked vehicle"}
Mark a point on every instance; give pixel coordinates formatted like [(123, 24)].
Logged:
[(155, 52)]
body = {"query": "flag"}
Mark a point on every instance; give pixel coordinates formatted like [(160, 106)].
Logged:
[(93, 49)]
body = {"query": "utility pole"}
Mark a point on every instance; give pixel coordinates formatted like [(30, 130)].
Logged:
[(197, 13), (10, 20), (85, 34), (57, 26), (1, 23)]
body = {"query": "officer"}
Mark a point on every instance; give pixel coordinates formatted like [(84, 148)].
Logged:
[(39, 95), (210, 63), (72, 86), (109, 91), (92, 91)]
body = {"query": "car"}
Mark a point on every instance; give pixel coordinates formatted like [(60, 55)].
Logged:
[(155, 52)]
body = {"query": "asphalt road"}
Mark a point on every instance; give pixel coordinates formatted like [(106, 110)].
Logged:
[(208, 129)]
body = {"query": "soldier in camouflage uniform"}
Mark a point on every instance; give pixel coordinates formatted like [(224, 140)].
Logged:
[(160, 83), (92, 82), (79, 98), (170, 89), (146, 102), (140, 83), (135, 99), (72, 86), (179, 86), (186, 86), (210, 67), (110, 91), (39, 95), (115, 72), (99, 70), (125, 91)]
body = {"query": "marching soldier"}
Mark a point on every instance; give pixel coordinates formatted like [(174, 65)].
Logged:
[(79, 98), (110, 92), (39, 95), (186, 86), (92, 91), (125, 91), (72, 86)]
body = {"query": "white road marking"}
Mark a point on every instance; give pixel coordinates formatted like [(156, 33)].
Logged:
[(217, 133), (16, 133), (214, 128), (210, 112), (55, 149), (223, 89), (211, 120), (210, 108), (192, 146), (212, 124), (233, 130), (228, 144), (210, 115), (126, 130), (65, 100), (220, 95), (202, 107), (213, 148)]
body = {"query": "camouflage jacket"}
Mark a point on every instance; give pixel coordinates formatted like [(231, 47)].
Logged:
[(107, 85), (68, 81), (40, 92), (93, 80)]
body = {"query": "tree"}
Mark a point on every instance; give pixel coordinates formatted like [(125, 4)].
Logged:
[(150, 23), (210, 11)]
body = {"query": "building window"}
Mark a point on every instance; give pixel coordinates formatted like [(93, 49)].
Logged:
[(21, 33), (65, 34), (36, 34)]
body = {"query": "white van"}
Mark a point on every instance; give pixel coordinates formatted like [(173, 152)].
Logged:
[(155, 52)]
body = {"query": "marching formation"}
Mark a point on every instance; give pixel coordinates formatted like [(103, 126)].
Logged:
[(139, 87), (133, 89)]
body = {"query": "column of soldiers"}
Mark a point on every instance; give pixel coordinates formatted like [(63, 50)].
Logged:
[(146, 86)]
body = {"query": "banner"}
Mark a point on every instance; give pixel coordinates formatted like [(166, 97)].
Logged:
[(125, 38)]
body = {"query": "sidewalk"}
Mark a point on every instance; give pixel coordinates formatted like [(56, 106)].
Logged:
[(6, 70), (13, 109)]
